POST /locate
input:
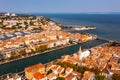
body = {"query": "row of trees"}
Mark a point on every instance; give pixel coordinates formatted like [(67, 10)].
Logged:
[(116, 76), (60, 78), (80, 69), (99, 77)]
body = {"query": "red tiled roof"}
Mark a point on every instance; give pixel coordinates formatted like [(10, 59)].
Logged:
[(34, 67), (38, 76)]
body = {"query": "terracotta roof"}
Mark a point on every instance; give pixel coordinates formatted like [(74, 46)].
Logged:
[(38, 76), (70, 77), (37, 66), (87, 75), (51, 75), (68, 70)]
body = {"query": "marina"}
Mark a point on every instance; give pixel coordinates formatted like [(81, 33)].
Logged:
[(15, 34)]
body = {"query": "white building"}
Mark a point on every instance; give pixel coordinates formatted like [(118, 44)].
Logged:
[(83, 55)]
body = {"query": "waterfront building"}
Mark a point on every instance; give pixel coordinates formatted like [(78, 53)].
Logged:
[(29, 71)]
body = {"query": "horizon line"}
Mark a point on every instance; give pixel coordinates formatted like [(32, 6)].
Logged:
[(63, 12)]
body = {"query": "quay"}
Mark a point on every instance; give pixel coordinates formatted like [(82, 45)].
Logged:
[(19, 65)]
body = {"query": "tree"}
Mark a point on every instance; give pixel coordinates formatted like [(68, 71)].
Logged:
[(81, 69), (116, 76), (70, 41), (49, 71), (60, 78), (112, 43), (95, 70), (99, 77)]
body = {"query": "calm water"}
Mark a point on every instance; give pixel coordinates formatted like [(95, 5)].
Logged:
[(18, 66), (108, 25)]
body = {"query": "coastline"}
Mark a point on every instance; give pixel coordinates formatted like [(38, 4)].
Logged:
[(17, 64)]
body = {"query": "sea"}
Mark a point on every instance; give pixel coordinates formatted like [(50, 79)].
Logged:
[(107, 25)]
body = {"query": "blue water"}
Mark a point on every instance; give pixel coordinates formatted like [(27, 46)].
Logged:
[(107, 25)]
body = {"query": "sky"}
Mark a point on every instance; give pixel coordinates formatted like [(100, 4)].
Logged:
[(60, 6)]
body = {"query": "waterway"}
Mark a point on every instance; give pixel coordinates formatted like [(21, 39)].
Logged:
[(19, 65)]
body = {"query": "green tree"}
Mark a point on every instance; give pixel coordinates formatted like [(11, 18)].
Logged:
[(95, 70), (112, 43), (60, 78), (81, 69), (99, 77), (49, 71), (70, 41), (116, 76)]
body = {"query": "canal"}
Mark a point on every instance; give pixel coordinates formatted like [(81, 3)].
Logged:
[(19, 65)]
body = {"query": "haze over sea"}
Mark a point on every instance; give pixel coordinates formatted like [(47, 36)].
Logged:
[(107, 25)]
